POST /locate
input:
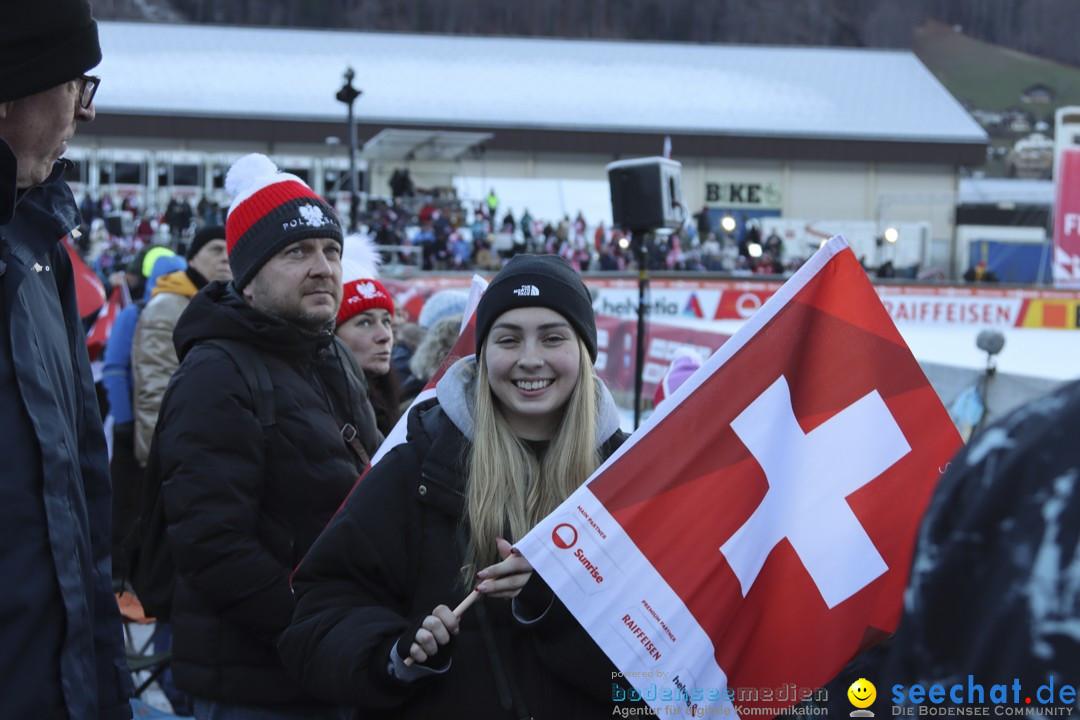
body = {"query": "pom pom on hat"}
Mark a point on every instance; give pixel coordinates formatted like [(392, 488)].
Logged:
[(359, 258), (249, 173), (270, 210)]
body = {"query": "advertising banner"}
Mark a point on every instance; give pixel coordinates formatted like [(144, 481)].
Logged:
[(1067, 220)]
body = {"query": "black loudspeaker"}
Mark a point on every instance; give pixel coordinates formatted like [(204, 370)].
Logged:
[(646, 193), (114, 223)]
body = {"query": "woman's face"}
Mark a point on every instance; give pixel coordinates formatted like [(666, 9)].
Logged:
[(533, 363), (369, 336)]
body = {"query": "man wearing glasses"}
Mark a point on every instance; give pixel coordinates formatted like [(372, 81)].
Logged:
[(62, 653)]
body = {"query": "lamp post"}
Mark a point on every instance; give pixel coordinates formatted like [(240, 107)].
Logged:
[(348, 94)]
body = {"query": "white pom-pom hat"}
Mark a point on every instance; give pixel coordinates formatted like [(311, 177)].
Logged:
[(270, 210)]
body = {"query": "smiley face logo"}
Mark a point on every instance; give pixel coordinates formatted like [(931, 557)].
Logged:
[(862, 693)]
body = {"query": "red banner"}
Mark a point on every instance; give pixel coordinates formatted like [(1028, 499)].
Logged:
[(705, 299)]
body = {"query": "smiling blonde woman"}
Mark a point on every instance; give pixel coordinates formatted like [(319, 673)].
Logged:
[(512, 432)]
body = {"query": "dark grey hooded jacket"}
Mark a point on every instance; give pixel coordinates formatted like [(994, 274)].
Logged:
[(62, 652)]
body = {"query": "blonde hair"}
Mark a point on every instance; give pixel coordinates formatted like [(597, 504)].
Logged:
[(508, 489)]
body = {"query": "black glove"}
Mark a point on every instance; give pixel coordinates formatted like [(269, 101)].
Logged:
[(439, 661)]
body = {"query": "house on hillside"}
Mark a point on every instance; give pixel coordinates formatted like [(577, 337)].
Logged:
[(1032, 157), (1017, 120), (1038, 94)]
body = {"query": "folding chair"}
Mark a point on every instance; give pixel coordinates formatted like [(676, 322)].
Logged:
[(146, 666)]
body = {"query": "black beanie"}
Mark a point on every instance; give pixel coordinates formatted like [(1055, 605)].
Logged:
[(538, 281), (208, 233), (44, 43)]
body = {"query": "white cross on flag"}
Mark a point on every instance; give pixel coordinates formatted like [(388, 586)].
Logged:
[(756, 533)]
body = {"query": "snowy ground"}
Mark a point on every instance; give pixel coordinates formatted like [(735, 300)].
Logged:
[(1030, 352)]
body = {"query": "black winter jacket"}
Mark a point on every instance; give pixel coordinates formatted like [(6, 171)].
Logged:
[(388, 558), (994, 593), (62, 651), (243, 506)]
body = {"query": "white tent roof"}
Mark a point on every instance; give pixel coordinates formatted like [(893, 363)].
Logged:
[(199, 70), (392, 144)]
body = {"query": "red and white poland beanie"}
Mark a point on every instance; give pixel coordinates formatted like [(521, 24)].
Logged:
[(361, 295), (360, 272), (270, 210)]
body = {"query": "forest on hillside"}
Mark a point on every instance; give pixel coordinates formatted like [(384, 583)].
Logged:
[(1045, 28)]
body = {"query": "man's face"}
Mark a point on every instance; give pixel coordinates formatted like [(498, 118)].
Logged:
[(301, 284), (38, 127), (212, 261)]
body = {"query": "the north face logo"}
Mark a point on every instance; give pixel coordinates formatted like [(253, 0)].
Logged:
[(527, 291)]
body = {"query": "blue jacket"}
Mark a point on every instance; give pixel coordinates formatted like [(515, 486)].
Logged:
[(62, 653), (117, 376)]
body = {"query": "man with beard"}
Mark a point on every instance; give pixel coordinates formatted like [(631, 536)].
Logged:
[(245, 496)]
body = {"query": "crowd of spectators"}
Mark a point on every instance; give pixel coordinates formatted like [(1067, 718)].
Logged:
[(113, 232), (437, 232), (432, 229)]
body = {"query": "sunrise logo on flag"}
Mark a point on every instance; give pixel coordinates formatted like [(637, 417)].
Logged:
[(775, 544)]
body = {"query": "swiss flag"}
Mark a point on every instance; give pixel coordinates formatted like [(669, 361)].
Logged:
[(774, 544)]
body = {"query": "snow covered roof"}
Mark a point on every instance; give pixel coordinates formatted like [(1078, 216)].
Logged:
[(545, 84)]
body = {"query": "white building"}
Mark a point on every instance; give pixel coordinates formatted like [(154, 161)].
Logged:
[(815, 134)]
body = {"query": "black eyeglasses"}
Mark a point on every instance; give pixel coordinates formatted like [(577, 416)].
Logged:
[(90, 85)]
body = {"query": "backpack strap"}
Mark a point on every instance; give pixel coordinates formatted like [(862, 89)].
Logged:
[(256, 377), (349, 433), (346, 352)]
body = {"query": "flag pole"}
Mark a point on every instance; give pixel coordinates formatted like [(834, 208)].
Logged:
[(458, 612), (639, 236)]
